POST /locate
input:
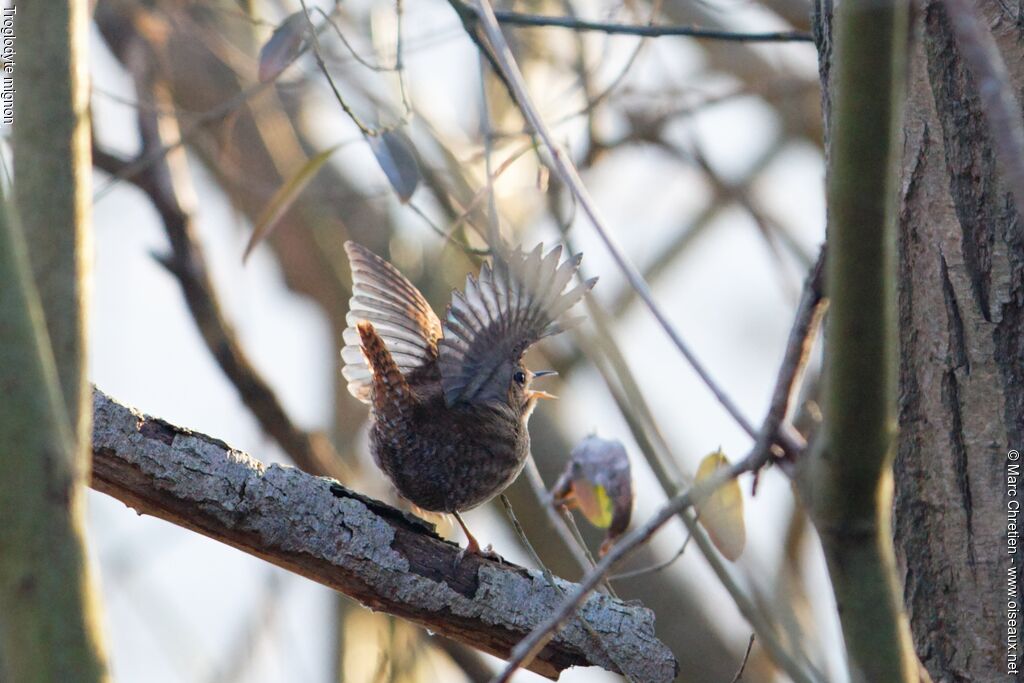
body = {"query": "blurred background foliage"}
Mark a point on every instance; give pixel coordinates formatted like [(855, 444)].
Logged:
[(704, 155)]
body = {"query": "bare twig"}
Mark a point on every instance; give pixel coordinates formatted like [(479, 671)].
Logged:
[(318, 55), (541, 497), (798, 348), (448, 235), (387, 559), (312, 452), (593, 102), (633, 573), (581, 544), (575, 24), (746, 656)]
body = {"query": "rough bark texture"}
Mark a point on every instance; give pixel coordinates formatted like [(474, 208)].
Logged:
[(961, 407), (385, 558)]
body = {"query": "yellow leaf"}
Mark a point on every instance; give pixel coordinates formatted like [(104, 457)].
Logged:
[(595, 503), (721, 514)]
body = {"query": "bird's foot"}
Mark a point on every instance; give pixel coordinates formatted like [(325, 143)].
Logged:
[(474, 549)]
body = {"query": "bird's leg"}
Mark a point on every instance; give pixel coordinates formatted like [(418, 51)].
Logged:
[(473, 547)]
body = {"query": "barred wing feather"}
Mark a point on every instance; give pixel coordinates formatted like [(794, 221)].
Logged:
[(500, 315)]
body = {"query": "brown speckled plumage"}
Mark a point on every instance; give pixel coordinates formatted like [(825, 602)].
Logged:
[(450, 402)]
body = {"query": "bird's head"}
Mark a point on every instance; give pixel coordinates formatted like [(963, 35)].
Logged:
[(521, 395)]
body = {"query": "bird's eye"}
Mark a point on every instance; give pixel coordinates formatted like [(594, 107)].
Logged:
[(519, 377)]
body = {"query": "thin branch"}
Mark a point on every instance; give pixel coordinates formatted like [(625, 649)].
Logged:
[(449, 234), (592, 103), (386, 559), (653, 569), (487, 133), (743, 664), (794, 359), (581, 544), (537, 20), (579, 550), (312, 452), (318, 55)]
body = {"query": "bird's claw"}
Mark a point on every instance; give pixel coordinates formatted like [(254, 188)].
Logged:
[(475, 549)]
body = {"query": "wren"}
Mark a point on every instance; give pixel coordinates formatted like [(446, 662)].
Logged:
[(450, 401)]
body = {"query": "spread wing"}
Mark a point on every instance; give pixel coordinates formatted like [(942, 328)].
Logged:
[(509, 308), (399, 313)]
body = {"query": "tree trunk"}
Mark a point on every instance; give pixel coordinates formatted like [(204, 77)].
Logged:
[(961, 408)]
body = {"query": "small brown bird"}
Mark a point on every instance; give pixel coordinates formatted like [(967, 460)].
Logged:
[(450, 401)]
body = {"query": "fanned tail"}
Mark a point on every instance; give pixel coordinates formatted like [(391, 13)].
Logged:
[(391, 395), (402, 319)]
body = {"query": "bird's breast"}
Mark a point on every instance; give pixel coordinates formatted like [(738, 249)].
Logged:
[(450, 459)]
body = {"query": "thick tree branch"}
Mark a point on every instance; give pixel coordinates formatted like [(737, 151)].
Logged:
[(50, 621), (386, 559), (848, 477)]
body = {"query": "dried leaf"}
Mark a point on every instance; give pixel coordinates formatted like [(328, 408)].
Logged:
[(285, 197), (721, 514), (283, 47), (598, 482), (395, 154)]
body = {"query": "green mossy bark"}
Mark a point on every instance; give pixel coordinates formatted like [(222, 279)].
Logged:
[(849, 476), (48, 617)]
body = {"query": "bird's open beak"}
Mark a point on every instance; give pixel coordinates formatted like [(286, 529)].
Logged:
[(542, 394)]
